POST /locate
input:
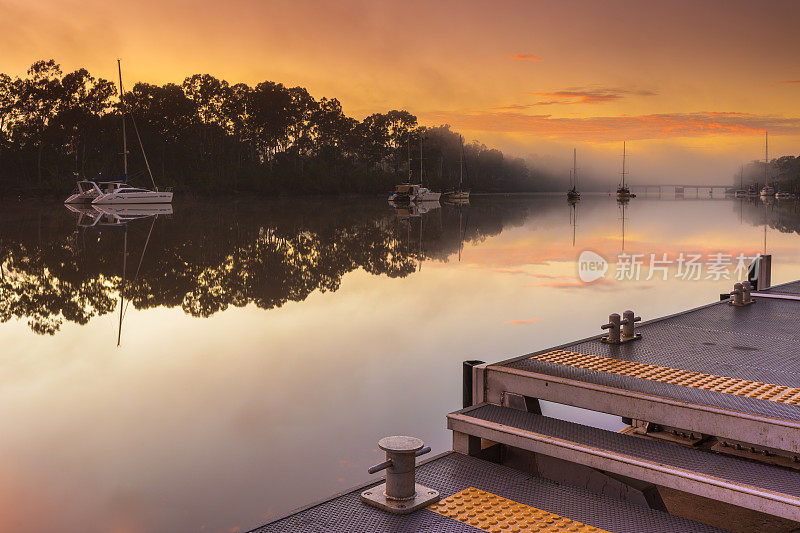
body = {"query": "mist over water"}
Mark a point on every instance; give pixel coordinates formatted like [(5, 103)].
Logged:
[(263, 339)]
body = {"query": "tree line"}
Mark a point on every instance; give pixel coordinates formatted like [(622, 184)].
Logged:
[(783, 172), (209, 136)]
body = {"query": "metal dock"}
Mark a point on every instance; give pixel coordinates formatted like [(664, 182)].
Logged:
[(711, 397)]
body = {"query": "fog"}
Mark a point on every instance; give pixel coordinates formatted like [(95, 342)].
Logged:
[(692, 161)]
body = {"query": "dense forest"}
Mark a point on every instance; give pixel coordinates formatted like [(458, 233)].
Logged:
[(208, 136), (783, 172)]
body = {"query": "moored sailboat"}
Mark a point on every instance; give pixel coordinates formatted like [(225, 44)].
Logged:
[(460, 193), (573, 193), (122, 193), (741, 192), (623, 191), (767, 190)]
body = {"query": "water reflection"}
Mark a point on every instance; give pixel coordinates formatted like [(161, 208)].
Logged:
[(264, 343), (206, 258)]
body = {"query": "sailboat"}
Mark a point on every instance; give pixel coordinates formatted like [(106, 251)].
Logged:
[(742, 192), (423, 193), (573, 193), (412, 192), (460, 193), (768, 190), (623, 191), (120, 192)]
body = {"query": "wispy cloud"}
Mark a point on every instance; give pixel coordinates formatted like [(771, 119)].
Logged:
[(613, 128), (789, 81), (577, 284), (588, 95), (526, 322), (525, 57), (512, 107)]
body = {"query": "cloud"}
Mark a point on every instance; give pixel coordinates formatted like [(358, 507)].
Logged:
[(513, 107), (525, 57), (588, 95), (526, 322), (622, 127), (789, 81), (571, 284)]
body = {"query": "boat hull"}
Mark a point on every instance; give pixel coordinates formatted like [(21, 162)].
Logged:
[(457, 196), (429, 197), (152, 197), (80, 198)]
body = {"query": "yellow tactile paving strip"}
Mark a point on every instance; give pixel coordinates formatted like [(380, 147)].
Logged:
[(495, 514), (675, 376)]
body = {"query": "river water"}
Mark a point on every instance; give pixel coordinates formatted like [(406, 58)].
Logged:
[(213, 367)]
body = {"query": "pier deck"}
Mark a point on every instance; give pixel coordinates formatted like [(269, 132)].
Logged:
[(719, 369), (452, 473), (713, 398)]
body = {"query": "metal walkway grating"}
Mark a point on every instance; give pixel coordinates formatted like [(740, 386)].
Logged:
[(737, 471), (792, 288), (675, 376), (757, 343), (455, 472)]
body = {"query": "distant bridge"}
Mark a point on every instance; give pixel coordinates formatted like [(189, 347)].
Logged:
[(683, 190)]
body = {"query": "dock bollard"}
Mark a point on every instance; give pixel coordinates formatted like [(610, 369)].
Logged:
[(613, 329), (746, 289), (628, 321), (400, 494), (628, 333), (737, 294), (741, 294)]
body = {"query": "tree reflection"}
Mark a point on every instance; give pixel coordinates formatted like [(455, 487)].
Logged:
[(207, 257)]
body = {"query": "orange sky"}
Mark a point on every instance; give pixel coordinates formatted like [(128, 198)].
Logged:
[(692, 85)]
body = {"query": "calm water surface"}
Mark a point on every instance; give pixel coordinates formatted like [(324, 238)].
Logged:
[(265, 347)]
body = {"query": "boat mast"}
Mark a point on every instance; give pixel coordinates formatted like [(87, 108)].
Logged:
[(461, 165), (766, 158), (124, 137), (623, 163), (408, 145), (420, 157), (575, 168)]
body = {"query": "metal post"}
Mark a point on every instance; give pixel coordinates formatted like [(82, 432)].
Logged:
[(466, 382), (628, 322), (400, 494), (613, 328), (746, 288), (737, 294)]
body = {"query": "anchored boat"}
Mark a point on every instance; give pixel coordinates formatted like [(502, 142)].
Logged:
[(88, 190), (768, 190), (118, 191), (573, 194), (460, 193), (623, 191)]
